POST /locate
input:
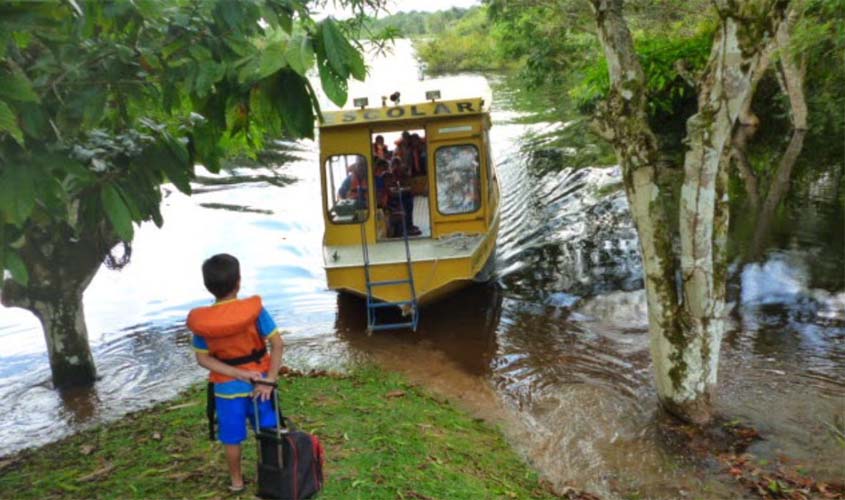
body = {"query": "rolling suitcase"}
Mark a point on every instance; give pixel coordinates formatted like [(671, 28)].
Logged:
[(290, 462)]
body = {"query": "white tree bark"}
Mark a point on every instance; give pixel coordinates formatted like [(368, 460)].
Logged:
[(685, 331), (624, 122), (726, 89), (792, 73)]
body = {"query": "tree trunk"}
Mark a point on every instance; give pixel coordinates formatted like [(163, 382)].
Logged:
[(61, 265), (623, 121), (792, 73), (63, 322), (685, 335), (726, 88)]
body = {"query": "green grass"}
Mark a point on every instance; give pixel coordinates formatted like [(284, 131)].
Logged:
[(383, 439)]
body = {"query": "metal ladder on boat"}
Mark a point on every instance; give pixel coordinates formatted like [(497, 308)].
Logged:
[(372, 304)]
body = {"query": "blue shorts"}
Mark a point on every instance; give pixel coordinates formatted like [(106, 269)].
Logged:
[(233, 413)]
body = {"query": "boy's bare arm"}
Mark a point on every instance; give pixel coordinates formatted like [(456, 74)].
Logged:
[(276, 348), (213, 364)]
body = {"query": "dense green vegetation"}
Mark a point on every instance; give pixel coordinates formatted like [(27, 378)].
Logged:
[(383, 439), (414, 24), (464, 46), (673, 40)]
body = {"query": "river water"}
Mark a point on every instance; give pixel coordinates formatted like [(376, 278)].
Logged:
[(555, 351)]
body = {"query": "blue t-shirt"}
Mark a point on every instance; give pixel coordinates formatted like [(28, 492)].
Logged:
[(238, 388)]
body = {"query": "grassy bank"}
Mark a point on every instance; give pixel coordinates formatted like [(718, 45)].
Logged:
[(383, 439)]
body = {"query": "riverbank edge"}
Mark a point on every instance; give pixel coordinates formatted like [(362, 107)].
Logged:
[(384, 438)]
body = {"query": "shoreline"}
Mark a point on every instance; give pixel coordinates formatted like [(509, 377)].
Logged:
[(384, 438)]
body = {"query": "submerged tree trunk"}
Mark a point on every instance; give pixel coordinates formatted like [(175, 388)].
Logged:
[(725, 90), (686, 324), (61, 265), (623, 121)]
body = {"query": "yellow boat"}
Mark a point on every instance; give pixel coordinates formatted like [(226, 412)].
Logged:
[(409, 231)]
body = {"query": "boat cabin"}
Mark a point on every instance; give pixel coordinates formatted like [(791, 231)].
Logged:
[(398, 181)]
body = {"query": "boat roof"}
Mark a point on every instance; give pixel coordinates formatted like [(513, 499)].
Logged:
[(424, 111)]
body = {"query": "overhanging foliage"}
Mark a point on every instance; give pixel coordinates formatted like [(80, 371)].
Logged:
[(102, 102)]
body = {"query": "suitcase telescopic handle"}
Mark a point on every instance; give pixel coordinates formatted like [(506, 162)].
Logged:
[(276, 406)]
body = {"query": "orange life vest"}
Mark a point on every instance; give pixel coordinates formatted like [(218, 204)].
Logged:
[(230, 329)]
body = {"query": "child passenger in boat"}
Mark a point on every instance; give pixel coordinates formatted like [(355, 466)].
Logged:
[(230, 342), (354, 187), (380, 148)]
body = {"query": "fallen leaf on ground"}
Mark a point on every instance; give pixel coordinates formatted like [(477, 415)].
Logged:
[(87, 449)]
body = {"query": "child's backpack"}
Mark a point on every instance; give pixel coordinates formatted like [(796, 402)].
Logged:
[(290, 462)]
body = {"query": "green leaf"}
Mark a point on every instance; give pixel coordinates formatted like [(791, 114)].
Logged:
[(201, 54), (334, 86), (4, 43), (16, 266), (286, 20), (9, 123), (272, 59), (300, 54), (236, 115), (172, 48), (232, 14), (356, 63), (294, 104), (17, 193), (33, 119), (209, 73), (172, 158), (127, 196), (2, 245), (335, 46), (148, 8), (117, 212), (248, 71), (16, 86)]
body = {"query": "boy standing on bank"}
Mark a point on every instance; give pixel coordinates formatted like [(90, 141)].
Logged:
[(229, 340)]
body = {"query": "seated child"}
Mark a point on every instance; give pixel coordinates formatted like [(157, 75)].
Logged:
[(354, 187), (229, 340)]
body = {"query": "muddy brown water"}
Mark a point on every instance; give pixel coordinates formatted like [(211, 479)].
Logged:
[(555, 351)]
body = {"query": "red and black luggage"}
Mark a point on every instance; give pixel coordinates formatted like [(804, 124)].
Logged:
[(290, 462)]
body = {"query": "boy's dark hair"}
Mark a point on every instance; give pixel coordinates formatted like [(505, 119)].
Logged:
[(221, 274)]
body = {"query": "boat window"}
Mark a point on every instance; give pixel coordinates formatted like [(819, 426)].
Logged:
[(458, 179), (347, 192)]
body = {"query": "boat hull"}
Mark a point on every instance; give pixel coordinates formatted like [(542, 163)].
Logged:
[(434, 278)]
